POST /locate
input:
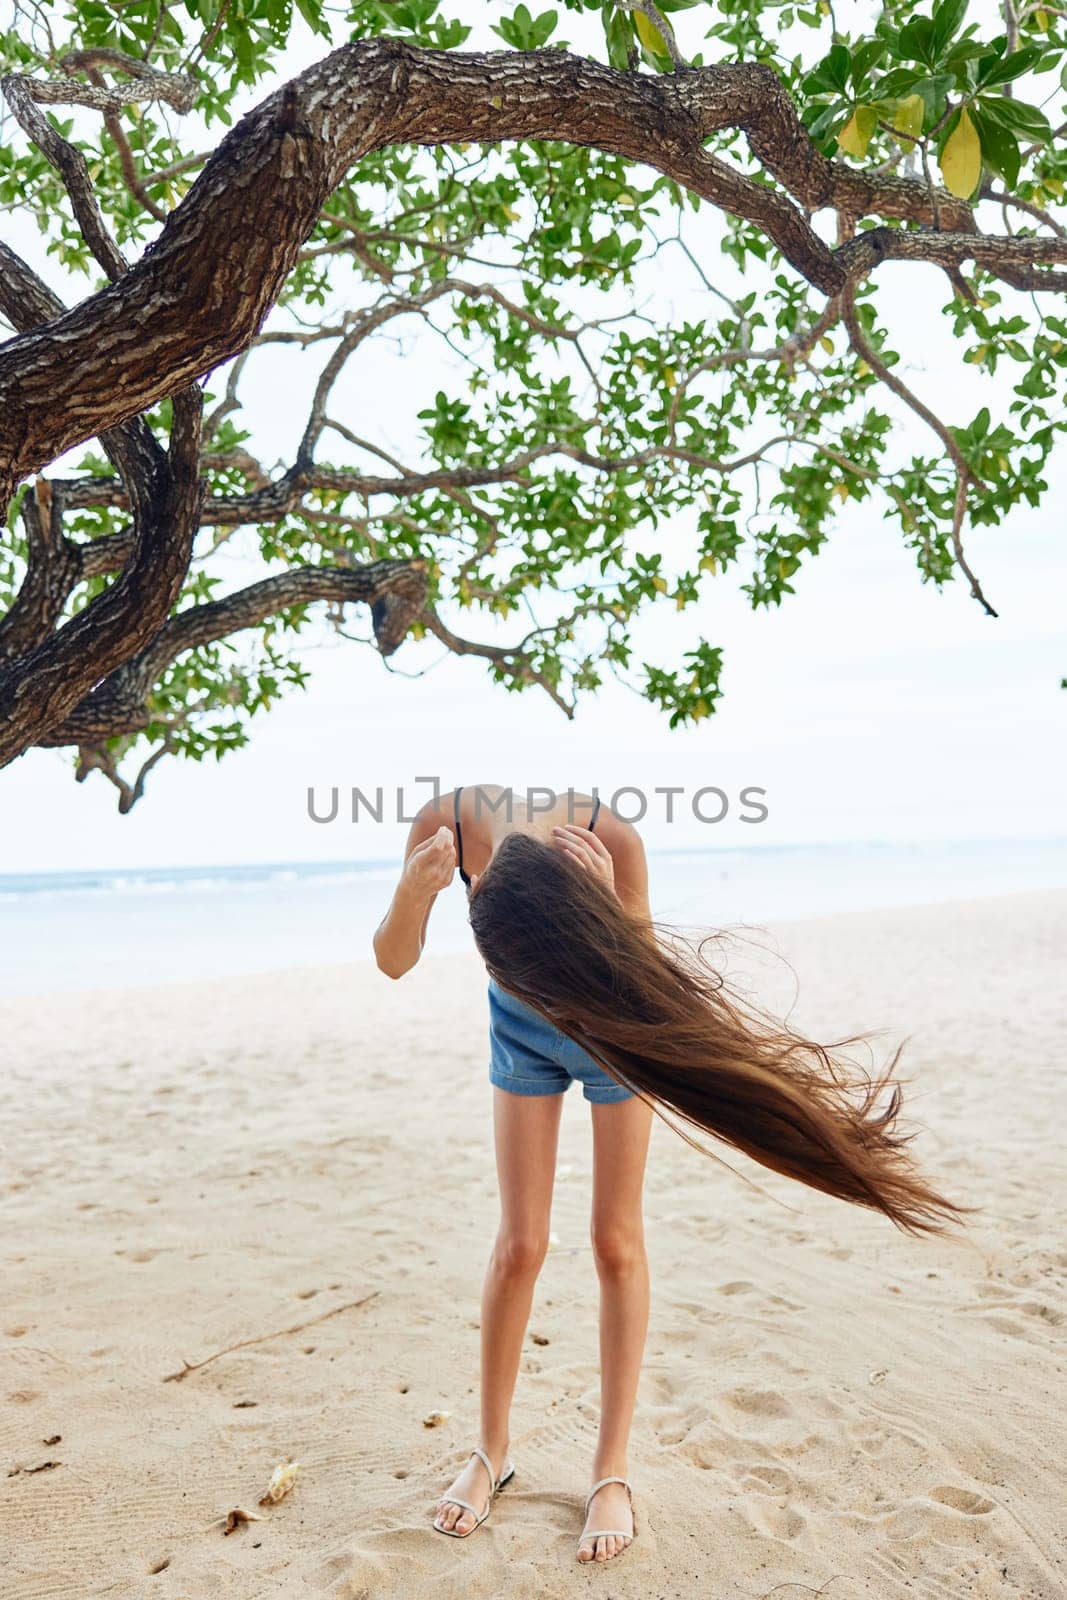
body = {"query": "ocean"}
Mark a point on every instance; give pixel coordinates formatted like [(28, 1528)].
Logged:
[(87, 930)]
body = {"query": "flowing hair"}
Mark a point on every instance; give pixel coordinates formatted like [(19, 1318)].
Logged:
[(670, 1029)]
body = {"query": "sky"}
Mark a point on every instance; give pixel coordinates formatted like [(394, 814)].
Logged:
[(869, 706)]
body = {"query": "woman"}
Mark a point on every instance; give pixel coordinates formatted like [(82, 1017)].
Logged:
[(582, 988)]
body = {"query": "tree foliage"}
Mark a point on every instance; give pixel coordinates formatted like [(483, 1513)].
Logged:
[(534, 209)]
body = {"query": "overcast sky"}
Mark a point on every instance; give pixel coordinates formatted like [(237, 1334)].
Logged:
[(868, 706)]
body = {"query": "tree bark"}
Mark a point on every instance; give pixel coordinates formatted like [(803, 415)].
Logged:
[(38, 689)]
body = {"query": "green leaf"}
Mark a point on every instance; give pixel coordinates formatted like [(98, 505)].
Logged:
[(935, 92), (864, 57), (1000, 149), (311, 11), (1016, 116), (945, 24), (839, 66), (830, 75), (915, 41), (619, 35), (1011, 67), (822, 123)]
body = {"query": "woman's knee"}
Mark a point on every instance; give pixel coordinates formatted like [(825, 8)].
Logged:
[(617, 1248), (520, 1253)]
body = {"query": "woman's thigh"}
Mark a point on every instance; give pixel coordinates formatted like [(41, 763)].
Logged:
[(526, 1136), (621, 1133)]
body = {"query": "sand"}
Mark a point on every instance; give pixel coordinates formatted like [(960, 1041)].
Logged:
[(827, 1406)]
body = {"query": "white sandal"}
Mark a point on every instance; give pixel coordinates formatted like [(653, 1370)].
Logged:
[(607, 1533), (454, 1500)]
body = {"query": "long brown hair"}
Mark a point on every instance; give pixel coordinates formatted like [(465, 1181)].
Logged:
[(662, 1022)]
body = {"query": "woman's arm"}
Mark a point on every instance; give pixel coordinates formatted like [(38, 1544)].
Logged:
[(429, 866)]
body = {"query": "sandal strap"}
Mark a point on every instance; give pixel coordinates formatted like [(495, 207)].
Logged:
[(479, 1512), (488, 1465), (454, 1500), (603, 1533), (600, 1484)]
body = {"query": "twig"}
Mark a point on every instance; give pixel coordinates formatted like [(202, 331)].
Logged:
[(987, 192), (965, 473), (794, 1583), (262, 1338), (659, 22), (957, 545)]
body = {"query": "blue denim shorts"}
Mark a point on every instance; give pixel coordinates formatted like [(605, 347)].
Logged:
[(530, 1056)]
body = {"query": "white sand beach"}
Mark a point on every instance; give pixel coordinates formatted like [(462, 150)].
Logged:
[(827, 1406)]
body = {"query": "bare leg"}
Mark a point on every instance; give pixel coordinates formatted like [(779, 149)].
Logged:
[(620, 1147), (527, 1135)]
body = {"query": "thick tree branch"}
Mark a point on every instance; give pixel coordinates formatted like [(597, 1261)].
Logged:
[(52, 569), (395, 590), (41, 688), (1017, 261), (21, 94), (200, 292)]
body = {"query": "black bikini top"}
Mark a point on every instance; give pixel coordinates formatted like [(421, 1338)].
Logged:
[(459, 831)]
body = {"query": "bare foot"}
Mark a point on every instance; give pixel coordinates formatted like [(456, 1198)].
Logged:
[(471, 1484), (609, 1508)]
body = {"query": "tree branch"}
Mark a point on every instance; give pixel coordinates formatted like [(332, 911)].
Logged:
[(200, 292), (41, 688), (965, 473), (395, 590), (509, 659)]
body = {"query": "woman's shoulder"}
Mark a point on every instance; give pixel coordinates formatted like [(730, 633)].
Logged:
[(614, 829)]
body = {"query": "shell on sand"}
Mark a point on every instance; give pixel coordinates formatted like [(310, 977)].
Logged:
[(281, 1481)]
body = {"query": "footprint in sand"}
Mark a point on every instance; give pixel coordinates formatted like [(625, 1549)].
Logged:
[(1006, 1323), (965, 1500), (768, 1480), (1037, 1308), (993, 1291), (869, 1437), (780, 1522), (759, 1402)]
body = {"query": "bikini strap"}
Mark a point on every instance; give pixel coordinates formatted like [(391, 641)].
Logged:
[(459, 838), (596, 812)]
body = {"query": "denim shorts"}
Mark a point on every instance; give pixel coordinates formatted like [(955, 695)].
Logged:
[(530, 1056)]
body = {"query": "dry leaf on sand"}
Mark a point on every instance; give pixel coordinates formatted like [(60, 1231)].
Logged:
[(237, 1518)]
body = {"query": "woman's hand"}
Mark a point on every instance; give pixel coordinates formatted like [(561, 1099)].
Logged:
[(587, 850), (431, 866), (428, 868)]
